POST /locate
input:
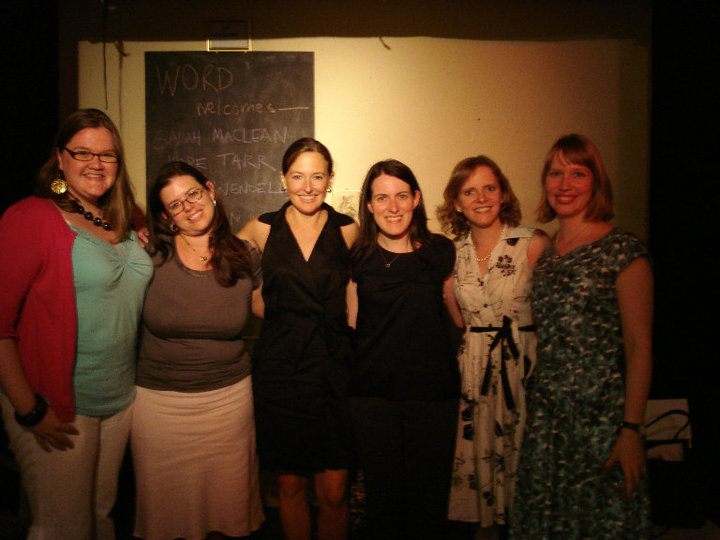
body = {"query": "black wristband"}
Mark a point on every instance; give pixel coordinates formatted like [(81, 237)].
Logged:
[(35, 416), (631, 426)]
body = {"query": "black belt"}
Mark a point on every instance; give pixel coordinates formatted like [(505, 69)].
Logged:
[(504, 335)]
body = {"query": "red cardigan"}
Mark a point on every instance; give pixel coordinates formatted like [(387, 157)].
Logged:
[(37, 298)]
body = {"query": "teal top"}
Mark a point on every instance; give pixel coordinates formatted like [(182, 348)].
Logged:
[(110, 283)]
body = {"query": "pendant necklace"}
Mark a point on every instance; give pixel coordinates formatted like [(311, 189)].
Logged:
[(388, 264), (201, 257)]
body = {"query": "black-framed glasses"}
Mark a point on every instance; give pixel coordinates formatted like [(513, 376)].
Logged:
[(86, 155), (192, 196)]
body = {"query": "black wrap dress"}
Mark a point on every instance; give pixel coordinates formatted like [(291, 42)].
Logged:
[(300, 363)]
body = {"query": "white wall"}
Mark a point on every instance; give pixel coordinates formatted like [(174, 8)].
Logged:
[(431, 102)]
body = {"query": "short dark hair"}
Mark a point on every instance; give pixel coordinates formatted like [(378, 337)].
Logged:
[(305, 144)]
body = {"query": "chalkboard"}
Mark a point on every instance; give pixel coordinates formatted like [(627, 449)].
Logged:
[(232, 116)]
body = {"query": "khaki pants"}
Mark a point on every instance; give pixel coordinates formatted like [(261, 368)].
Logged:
[(71, 492)]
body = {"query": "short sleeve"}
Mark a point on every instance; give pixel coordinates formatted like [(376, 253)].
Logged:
[(440, 257), (625, 249)]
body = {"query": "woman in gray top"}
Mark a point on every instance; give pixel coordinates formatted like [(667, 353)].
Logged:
[(193, 435)]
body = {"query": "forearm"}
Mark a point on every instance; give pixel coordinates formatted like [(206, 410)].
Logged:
[(635, 298), (258, 304), (637, 384)]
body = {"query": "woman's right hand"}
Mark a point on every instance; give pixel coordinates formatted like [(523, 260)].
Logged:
[(51, 432)]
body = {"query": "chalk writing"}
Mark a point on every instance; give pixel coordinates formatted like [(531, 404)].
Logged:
[(244, 188), (190, 78), (164, 139), (249, 136), (232, 116), (199, 162), (220, 108), (243, 161)]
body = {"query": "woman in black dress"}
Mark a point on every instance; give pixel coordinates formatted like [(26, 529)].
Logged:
[(405, 381), (300, 372)]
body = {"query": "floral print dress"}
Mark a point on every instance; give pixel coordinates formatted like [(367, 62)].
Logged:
[(576, 401), (495, 358)]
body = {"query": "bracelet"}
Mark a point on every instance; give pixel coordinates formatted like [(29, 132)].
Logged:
[(631, 426), (35, 416)]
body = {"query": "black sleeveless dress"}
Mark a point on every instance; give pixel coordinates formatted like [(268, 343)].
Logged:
[(300, 363)]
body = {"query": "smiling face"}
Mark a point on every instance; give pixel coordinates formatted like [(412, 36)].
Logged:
[(480, 198), (392, 205), (191, 218), (568, 188), (88, 180), (307, 181)]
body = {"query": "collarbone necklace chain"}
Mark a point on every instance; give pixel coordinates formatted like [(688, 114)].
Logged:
[(487, 257), (388, 263), (203, 258)]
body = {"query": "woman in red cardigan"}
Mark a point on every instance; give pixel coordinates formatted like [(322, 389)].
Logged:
[(70, 302)]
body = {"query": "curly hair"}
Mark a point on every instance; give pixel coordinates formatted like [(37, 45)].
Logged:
[(455, 222)]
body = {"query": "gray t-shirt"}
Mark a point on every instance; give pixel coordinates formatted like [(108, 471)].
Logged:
[(192, 329)]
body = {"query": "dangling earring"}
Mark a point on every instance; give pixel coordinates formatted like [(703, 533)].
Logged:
[(214, 202), (59, 185), (173, 227), (329, 190)]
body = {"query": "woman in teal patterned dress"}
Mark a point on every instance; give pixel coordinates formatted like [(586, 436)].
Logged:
[(582, 463)]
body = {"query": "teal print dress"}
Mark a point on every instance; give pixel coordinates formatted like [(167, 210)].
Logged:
[(576, 399)]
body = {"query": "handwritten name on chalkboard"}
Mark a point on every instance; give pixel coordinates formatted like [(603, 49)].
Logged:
[(231, 115)]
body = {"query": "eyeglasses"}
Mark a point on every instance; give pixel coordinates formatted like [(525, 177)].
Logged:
[(192, 196), (86, 155)]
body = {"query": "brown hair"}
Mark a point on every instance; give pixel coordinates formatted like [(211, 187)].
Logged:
[(230, 259), (455, 222), (366, 242), (579, 150), (306, 144), (118, 203)]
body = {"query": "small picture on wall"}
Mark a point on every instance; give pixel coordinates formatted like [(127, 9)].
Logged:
[(347, 201)]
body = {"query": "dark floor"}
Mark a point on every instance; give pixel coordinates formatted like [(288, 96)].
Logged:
[(13, 526), (13, 514)]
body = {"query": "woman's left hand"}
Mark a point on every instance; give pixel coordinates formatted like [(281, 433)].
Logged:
[(143, 236), (629, 452)]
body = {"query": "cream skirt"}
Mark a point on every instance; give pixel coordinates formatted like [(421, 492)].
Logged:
[(196, 469)]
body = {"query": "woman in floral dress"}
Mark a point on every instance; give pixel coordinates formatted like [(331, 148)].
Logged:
[(581, 468), (488, 298)]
